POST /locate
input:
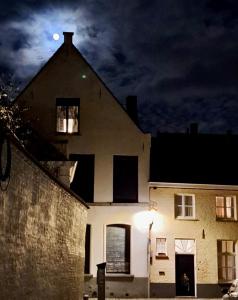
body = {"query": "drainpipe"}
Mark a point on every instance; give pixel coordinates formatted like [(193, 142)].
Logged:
[(149, 259)]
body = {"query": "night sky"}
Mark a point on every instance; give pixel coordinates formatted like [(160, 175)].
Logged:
[(180, 57)]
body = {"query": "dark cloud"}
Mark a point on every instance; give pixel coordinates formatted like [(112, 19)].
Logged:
[(179, 56)]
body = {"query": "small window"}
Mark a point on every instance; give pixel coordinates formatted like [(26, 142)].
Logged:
[(184, 206), (226, 207), (67, 111), (226, 260), (161, 247), (118, 248)]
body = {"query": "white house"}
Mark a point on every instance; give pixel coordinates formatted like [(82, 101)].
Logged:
[(70, 106)]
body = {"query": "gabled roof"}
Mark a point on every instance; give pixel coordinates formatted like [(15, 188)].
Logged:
[(52, 58), (194, 158)]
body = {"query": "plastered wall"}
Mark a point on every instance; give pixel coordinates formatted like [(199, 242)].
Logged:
[(204, 229)]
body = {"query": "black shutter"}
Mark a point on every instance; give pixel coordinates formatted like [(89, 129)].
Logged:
[(125, 179), (83, 182), (87, 249)]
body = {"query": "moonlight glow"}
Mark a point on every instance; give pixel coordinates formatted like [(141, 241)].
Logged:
[(56, 36)]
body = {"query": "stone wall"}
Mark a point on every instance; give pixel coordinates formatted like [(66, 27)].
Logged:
[(42, 230)]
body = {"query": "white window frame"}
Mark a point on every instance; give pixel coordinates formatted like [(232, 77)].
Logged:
[(225, 208), (160, 245), (183, 216)]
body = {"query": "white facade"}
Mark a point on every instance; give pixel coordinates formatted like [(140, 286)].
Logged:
[(104, 130)]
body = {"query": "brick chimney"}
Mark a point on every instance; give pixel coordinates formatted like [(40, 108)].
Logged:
[(131, 107), (68, 38)]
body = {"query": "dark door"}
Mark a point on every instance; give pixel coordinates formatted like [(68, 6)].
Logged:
[(87, 249), (184, 267)]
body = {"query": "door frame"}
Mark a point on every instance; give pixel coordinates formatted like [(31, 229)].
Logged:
[(195, 264)]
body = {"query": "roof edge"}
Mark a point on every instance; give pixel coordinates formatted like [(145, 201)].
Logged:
[(158, 184), (91, 68)]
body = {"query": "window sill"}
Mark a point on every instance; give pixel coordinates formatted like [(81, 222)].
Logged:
[(68, 133), (88, 276), (119, 277), (222, 282), (161, 257), (225, 220), (186, 219)]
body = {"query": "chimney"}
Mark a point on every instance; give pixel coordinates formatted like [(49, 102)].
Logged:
[(68, 37), (194, 128), (131, 107)]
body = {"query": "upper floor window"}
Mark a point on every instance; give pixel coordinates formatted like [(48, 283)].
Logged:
[(67, 111), (226, 207), (184, 206), (125, 178), (118, 248), (226, 260)]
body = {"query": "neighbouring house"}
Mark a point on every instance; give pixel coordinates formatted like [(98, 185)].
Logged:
[(42, 229), (195, 227), (70, 106)]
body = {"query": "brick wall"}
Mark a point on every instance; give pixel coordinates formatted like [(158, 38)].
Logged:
[(42, 229)]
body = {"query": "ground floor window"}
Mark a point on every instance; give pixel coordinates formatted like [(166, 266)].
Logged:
[(161, 247), (118, 248), (226, 260)]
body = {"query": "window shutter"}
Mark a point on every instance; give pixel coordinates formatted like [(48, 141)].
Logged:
[(177, 199)]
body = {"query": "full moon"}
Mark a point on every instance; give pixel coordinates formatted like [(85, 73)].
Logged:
[(56, 36)]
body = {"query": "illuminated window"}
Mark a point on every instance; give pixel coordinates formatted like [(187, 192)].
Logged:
[(226, 260), (67, 115), (118, 248), (226, 207), (161, 247), (184, 206)]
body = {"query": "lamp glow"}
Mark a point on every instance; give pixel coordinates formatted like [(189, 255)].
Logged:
[(144, 219)]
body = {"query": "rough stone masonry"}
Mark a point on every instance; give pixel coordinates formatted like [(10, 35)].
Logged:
[(42, 230)]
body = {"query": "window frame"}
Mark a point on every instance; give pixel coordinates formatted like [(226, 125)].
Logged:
[(183, 216), (161, 254), (67, 102), (225, 207), (127, 248), (226, 255)]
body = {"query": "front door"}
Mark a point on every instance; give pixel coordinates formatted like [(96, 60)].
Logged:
[(184, 268)]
